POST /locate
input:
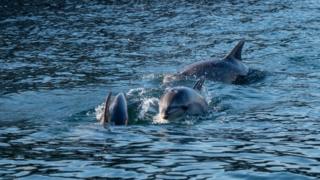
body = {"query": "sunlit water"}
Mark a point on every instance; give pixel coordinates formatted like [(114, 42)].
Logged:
[(58, 61)]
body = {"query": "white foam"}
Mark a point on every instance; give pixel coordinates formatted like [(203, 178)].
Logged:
[(158, 120), (99, 111), (148, 105), (140, 91), (206, 94)]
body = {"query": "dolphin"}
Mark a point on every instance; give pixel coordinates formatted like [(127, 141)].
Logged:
[(116, 111), (226, 70), (180, 101)]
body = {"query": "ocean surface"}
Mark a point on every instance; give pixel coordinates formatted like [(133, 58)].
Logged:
[(59, 59)]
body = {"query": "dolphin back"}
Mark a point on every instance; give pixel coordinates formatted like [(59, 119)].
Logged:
[(225, 70), (235, 52)]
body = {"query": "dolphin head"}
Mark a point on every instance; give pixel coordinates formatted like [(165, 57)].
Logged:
[(116, 112), (174, 103), (178, 101)]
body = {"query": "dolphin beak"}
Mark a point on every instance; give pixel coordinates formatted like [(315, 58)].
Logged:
[(165, 116)]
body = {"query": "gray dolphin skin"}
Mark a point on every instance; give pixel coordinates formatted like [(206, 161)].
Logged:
[(180, 101), (115, 112), (225, 70)]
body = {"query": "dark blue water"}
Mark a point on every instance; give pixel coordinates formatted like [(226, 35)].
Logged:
[(58, 61)]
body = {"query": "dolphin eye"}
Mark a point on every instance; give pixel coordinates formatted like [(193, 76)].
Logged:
[(184, 108)]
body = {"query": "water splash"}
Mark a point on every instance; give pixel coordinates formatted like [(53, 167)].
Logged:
[(158, 120), (149, 105), (99, 111), (207, 94), (136, 91)]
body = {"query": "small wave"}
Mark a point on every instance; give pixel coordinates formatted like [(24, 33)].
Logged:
[(149, 76)]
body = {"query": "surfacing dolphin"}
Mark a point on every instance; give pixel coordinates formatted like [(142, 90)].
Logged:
[(115, 112), (228, 70), (180, 101)]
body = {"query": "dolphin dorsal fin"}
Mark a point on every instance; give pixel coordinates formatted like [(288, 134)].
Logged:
[(105, 115), (198, 85), (236, 51)]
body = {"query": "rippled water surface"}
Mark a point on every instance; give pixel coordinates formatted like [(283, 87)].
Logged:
[(58, 61)]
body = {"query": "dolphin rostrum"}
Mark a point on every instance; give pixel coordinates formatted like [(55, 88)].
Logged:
[(115, 112), (180, 101)]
